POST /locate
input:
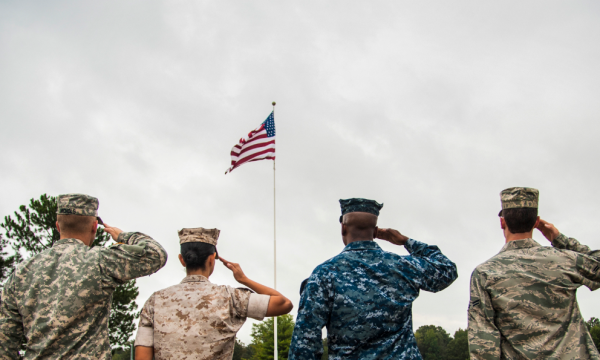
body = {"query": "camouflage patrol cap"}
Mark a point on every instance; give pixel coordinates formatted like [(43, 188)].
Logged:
[(77, 204), (519, 197), (360, 205), (209, 236)]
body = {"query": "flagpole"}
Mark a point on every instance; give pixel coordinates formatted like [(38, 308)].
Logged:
[(274, 254)]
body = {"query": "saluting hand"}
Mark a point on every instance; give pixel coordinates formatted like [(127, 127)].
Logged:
[(236, 269), (391, 235), (549, 231), (113, 231)]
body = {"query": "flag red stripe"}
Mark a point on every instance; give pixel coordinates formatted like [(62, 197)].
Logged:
[(250, 140), (255, 146), (240, 162)]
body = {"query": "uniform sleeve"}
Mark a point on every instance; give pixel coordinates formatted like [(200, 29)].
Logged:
[(435, 271), (588, 261), (484, 336), (11, 323), (315, 306), (135, 255), (240, 300), (258, 304), (145, 333)]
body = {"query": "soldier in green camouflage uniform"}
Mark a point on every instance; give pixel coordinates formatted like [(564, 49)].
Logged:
[(523, 300), (60, 299)]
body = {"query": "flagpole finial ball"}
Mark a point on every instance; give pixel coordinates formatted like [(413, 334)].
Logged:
[(274, 103)]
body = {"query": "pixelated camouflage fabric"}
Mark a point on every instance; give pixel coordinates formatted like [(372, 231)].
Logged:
[(360, 205), (195, 319), (77, 204), (519, 197), (364, 297), (523, 302), (61, 297), (209, 236)]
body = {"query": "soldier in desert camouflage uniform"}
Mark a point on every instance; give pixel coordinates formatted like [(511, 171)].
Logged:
[(60, 298), (364, 295), (197, 319), (523, 303)]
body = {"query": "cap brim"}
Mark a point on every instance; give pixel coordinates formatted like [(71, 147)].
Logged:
[(500, 213), (100, 222)]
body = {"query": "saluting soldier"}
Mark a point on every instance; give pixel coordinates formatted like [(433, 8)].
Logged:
[(364, 295), (60, 298), (197, 319), (523, 300)]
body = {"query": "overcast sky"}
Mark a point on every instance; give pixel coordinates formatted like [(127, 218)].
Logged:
[(431, 107)]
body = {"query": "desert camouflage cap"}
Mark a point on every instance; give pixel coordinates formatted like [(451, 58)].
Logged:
[(77, 204), (209, 236), (360, 205), (519, 197)]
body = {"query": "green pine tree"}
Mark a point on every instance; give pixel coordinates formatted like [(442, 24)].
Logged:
[(33, 230)]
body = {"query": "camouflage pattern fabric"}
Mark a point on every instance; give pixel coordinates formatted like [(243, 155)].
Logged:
[(77, 204), (60, 298), (209, 236), (360, 205), (523, 303), (364, 297), (519, 197), (197, 319)]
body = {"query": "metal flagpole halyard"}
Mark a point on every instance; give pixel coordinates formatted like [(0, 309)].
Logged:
[(274, 254)]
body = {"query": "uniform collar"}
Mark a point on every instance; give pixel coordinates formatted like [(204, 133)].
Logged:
[(69, 241), (194, 278), (520, 244), (362, 245)]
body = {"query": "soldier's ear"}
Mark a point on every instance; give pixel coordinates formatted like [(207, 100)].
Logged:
[(502, 223), (181, 260)]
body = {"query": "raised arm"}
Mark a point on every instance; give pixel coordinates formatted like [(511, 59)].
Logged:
[(278, 304), (434, 271), (588, 263), (135, 255), (561, 241), (484, 336), (11, 324)]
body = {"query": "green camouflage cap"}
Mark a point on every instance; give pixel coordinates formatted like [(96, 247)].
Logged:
[(519, 197), (77, 204), (209, 236)]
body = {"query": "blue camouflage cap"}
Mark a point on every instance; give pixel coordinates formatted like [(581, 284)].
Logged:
[(360, 205)]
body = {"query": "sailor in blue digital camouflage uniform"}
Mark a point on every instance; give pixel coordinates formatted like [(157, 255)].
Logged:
[(364, 295)]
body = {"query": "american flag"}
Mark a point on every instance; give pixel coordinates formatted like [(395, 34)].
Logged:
[(258, 145)]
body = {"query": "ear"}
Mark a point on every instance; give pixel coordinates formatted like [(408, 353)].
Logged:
[(344, 230), (502, 223), (537, 223), (57, 227), (95, 227), (181, 260)]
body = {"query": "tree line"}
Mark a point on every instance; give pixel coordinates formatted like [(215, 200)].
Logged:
[(434, 342)]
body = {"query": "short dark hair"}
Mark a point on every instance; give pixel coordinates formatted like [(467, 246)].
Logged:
[(74, 224), (195, 254), (520, 220)]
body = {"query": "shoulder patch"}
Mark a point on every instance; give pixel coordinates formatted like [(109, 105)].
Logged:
[(475, 302)]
